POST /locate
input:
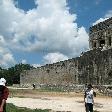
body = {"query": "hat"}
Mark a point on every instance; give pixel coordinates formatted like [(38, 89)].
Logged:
[(2, 81)]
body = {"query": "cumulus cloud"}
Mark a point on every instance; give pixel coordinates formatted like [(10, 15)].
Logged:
[(54, 57), (107, 15), (6, 58), (48, 28)]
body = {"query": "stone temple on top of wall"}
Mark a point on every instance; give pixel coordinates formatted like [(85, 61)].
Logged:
[(94, 66), (101, 35)]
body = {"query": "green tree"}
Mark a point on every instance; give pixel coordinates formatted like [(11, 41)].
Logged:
[(12, 74)]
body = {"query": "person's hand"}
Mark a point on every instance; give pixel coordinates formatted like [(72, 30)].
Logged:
[(1, 109)]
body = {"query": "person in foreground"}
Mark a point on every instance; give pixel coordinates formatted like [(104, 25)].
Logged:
[(4, 92), (89, 98)]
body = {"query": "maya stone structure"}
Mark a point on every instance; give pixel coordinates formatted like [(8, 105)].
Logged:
[(94, 66), (101, 35)]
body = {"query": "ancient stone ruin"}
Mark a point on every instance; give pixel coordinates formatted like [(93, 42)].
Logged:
[(93, 66), (101, 35)]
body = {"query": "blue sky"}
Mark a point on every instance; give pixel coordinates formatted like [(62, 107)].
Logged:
[(88, 11), (46, 31)]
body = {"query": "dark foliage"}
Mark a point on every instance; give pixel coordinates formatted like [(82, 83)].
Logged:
[(12, 75)]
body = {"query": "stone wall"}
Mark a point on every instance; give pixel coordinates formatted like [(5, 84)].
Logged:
[(101, 35), (94, 67)]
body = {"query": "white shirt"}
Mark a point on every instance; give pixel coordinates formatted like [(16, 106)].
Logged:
[(89, 96)]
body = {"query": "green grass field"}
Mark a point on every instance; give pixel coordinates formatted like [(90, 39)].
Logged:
[(13, 108)]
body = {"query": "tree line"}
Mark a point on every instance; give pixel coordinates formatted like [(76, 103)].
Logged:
[(12, 74)]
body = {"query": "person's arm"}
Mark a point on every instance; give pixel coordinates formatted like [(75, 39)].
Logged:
[(6, 93), (94, 93), (5, 96), (84, 96), (2, 105)]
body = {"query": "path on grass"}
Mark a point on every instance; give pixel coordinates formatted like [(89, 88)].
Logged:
[(73, 104)]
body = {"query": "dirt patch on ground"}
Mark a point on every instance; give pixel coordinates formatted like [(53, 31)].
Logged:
[(57, 101), (71, 104)]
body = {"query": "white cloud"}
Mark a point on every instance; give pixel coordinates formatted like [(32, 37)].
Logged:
[(54, 57), (48, 28), (36, 65), (99, 20), (6, 58), (24, 61), (9, 15), (2, 41), (107, 15)]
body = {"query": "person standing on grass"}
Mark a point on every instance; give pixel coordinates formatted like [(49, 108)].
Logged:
[(89, 98), (4, 92)]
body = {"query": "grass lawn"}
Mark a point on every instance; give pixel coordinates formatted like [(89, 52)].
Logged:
[(13, 108)]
